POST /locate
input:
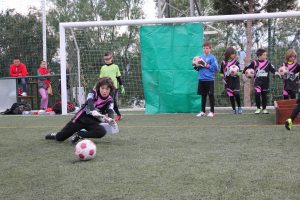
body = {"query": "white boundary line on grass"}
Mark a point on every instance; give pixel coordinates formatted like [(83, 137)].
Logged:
[(143, 110), (158, 126), (216, 108)]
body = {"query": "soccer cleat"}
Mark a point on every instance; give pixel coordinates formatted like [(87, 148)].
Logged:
[(211, 114), (265, 111), (50, 136), (234, 112), (258, 110), (240, 110), (288, 124), (201, 114), (75, 138), (118, 118)]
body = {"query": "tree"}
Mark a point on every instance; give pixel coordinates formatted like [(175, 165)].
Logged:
[(22, 36), (179, 8), (113, 38)]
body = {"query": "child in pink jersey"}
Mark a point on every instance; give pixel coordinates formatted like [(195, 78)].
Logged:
[(290, 85), (262, 68), (43, 84), (231, 82), (99, 102)]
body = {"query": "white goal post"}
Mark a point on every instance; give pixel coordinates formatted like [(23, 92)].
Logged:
[(68, 25)]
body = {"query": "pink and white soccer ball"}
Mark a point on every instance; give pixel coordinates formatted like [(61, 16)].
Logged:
[(198, 62), (85, 150), (233, 69), (249, 73), (283, 70)]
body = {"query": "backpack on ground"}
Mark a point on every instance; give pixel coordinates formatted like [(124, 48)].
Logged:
[(17, 109)]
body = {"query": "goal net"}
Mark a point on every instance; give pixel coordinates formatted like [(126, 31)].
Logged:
[(83, 44), (85, 50)]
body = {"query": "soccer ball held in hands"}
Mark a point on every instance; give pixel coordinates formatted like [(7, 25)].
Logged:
[(283, 70), (199, 62), (233, 69), (249, 73)]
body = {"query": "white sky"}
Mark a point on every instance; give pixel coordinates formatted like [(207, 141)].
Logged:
[(23, 5)]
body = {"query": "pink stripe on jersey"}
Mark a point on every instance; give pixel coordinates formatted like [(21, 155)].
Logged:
[(228, 64), (257, 89), (262, 65), (291, 67), (78, 115), (229, 92)]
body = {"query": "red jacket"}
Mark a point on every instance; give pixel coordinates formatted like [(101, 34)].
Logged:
[(44, 71), (16, 71)]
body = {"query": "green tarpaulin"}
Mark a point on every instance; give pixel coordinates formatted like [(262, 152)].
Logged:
[(169, 80)]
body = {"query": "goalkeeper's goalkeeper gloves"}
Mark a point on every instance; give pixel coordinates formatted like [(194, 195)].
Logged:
[(122, 89), (110, 120), (196, 68), (203, 64), (95, 113)]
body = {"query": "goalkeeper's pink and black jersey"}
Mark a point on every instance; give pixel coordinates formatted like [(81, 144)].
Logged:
[(293, 68), (95, 102), (262, 69), (290, 83), (225, 65)]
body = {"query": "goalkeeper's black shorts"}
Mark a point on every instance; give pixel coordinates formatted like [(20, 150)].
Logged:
[(206, 87)]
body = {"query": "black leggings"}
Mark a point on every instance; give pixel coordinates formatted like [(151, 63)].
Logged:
[(115, 97), (237, 98), (263, 100), (93, 127), (296, 110), (211, 102), (291, 94)]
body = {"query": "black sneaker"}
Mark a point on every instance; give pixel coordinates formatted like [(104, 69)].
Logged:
[(75, 138), (50, 136)]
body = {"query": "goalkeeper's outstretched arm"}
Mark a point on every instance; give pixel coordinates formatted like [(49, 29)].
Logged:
[(90, 103), (110, 111)]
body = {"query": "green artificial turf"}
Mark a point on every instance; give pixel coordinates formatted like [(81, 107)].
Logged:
[(175, 156)]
